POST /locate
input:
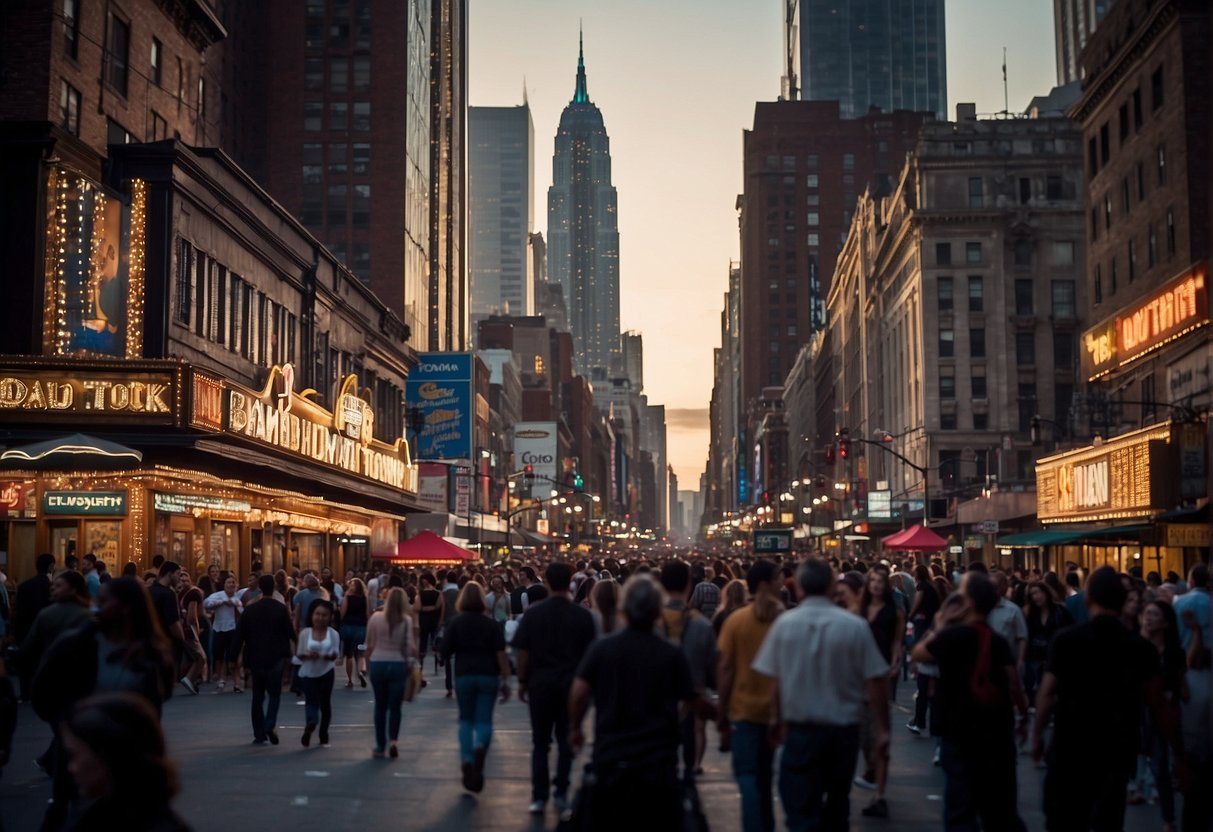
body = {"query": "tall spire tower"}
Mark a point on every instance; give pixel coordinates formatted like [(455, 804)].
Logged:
[(583, 232)]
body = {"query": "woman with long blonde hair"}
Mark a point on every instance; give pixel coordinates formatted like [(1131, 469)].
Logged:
[(389, 646)]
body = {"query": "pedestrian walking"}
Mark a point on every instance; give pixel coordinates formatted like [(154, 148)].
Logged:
[(117, 757), (319, 647), (691, 631), (429, 617), (450, 597), (389, 646), (822, 661), (745, 696), (1045, 616), (189, 604), (264, 632), (225, 608), (879, 608), (481, 670), (552, 638), (1098, 677), (69, 608), (1160, 627), (353, 631), (1198, 601), (977, 691), (637, 680)]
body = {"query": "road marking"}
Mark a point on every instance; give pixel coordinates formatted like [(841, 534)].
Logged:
[(315, 774), (300, 801), (934, 797)]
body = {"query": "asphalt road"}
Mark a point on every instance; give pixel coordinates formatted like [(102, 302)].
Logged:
[(229, 783)]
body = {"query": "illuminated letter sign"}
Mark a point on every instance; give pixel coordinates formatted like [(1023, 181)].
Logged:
[(97, 396)]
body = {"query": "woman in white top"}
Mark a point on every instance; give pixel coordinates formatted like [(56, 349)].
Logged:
[(389, 646), (318, 649)]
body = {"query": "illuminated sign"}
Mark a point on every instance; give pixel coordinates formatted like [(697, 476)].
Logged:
[(1186, 534), (880, 504), (15, 498), (1134, 475), (84, 502), (290, 423), (1176, 309), (99, 396), (206, 402), (186, 503)]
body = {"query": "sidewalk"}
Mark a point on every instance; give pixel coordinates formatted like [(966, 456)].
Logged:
[(229, 783)]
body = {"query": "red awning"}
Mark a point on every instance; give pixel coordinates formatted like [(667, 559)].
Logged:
[(915, 539), (427, 547)]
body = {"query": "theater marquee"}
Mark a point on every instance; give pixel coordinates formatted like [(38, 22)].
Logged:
[(1130, 476), (1179, 307)]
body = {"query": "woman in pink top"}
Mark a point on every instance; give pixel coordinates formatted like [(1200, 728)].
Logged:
[(389, 646)]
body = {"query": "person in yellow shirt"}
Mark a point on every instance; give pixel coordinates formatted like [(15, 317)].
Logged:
[(745, 697)]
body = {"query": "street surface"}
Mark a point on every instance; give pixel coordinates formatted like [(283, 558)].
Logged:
[(228, 784)]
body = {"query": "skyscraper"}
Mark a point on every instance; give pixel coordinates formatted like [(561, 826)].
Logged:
[(501, 153), (889, 54), (1075, 22), (583, 231)]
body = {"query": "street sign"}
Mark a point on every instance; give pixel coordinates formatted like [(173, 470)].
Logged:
[(988, 527), (956, 550)]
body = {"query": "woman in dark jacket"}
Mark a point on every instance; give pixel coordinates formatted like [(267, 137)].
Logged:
[(1045, 616)]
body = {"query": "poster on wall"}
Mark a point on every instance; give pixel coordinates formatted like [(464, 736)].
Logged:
[(441, 387), (432, 489), (535, 445)]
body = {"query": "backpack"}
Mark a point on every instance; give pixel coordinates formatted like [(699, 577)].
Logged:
[(981, 685)]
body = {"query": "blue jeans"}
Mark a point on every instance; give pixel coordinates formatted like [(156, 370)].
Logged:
[(815, 776), (476, 696), (752, 763), (387, 681)]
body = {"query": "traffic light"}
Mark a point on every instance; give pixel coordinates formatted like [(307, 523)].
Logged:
[(578, 482), (766, 498), (529, 471), (844, 445)]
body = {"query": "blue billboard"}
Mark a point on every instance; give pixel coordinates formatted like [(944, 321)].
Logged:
[(443, 387)]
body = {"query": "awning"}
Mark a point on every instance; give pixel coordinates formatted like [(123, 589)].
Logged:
[(1130, 532), (427, 547), (1040, 537), (530, 538), (915, 539), (78, 447)]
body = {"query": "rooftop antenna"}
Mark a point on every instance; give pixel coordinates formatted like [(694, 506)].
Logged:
[(524, 100), (1006, 101)]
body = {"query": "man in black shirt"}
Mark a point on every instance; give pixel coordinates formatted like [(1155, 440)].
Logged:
[(33, 596), (1098, 676), (552, 638), (977, 687), (164, 599), (265, 631), (637, 680)]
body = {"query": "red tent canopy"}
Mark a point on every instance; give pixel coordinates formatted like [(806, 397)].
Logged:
[(915, 539), (427, 547)]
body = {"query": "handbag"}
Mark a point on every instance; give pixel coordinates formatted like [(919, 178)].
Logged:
[(412, 681)]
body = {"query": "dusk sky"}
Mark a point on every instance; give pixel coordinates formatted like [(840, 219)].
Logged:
[(677, 81)]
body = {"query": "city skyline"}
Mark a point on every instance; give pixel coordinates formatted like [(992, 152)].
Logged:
[(676, 94)]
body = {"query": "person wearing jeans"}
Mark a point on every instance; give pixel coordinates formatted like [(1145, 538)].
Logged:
[(745, 697), (265, 632), (481, 669), (389, 646), (319, 648)]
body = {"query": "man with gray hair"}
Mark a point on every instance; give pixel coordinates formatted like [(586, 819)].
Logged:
[(822, 661), (637, 680)]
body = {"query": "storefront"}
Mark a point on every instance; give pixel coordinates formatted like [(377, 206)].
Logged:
[(1121, 502), (242, 479)]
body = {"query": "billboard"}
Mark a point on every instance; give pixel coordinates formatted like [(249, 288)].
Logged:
[(433, 479), (442, 387), (535, 444)]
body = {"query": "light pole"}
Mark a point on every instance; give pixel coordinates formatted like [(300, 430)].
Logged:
[(923, 470)]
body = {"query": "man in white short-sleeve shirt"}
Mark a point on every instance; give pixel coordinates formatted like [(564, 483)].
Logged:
[(824, 662)]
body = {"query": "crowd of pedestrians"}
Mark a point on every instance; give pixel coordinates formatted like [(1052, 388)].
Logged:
[(1102, 678)]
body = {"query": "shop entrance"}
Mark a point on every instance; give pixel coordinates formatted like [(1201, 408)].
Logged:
[(65, 539)]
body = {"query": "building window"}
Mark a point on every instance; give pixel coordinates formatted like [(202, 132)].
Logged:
[(981, 421), (313, 175), (313, 74), (947, 387), (976, 293), (1023, 253), (1137, 117), (180, 84), (362, 206), (115, 133), (1024, 292), (813, 200), (159, 127), (1065, 307), (1063, 350), (1092, 158), (117, 68), (789, 163), (313, 115), (1141, 182), (1094, 224), (943, 254), (811, 161), (336, 205), (337, 159), (1025, 349), (157, 60), (813, 240), (1157, 89), (814, 218), (362, 159), (1113, 275), (339, 115), (1053, 188), (1132, 260), (1162, 164), (71, 27), (947, 343), (949, 468), (201, 100), (972, 252), (975, 191), (947, 421), (848, 161), (1027, 405), (185, 270), (811, 180), (977, 342), (1063, 397), (1152, 247), (1025, 190), (339, 76), (362, 74), (1098, 285), (1170, 233), (69, 108), (944, 292), (1105, 145), (979, 387), (1063, 253), (1124, 195), (1124, 122)]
